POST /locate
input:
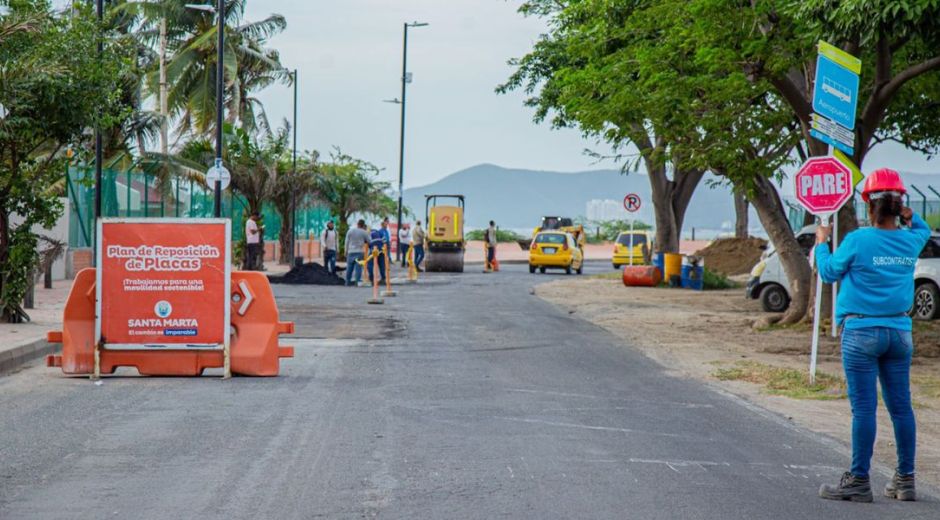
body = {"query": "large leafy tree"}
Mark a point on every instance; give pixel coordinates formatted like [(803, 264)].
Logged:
[(773, 43), (583, 74), (349, 187), (53, 88), (716, 116)]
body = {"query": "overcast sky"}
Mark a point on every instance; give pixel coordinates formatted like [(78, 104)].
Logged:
[(349, 56), (348, 53)]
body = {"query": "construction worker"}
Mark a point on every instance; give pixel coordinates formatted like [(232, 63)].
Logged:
[(253, 257), (404, 243), (357, 238), (490, 241), (328, 246), (875, 267), (418, 237), (378, 240)]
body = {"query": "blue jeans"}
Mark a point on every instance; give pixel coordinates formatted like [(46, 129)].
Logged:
[(381, 268), (329, 260), (419, 255), (405, 249), (869, 354), (352, 264)]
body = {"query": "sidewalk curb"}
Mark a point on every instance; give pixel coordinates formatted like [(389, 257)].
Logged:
[(14, 358)]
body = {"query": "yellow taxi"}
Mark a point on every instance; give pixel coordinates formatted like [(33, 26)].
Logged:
[(641, 241), (555, 250)]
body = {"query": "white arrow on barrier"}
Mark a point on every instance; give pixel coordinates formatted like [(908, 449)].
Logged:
[(248, 298)]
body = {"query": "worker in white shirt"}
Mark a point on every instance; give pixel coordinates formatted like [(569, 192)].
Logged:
[(254, 260), (404, 243), (328, 245)]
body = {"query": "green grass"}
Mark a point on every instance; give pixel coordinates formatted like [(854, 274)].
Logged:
[(785, 381), (716, 281), (933, 220), (501, 235), (799, 326)]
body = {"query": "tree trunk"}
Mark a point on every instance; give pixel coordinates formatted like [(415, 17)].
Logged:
[(164, 103), (342, 227), (8, 315), (670, 201), (773, 217), (286, 254), (740, 215)]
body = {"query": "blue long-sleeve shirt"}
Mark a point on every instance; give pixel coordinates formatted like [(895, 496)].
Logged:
[(876, 269)]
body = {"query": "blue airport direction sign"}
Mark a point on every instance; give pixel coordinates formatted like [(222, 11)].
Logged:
[(835, 95)]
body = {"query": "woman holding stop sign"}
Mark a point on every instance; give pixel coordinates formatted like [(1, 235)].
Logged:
[(875, 266)]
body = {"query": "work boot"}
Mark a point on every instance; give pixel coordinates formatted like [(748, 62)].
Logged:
[(901, 487), (850, 487)]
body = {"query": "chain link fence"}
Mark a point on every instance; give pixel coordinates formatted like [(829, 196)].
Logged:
[(138, 194)]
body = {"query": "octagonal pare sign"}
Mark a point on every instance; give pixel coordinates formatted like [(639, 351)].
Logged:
[(823, 185)]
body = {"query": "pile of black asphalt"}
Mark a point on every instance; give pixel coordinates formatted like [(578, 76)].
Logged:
[(308, 274)]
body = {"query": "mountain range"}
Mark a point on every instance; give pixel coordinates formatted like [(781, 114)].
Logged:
[(518, 198)]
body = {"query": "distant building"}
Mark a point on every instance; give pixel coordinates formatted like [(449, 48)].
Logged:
[(600, 210)]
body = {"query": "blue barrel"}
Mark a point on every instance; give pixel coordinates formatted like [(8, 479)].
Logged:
[(693, 277), (659, 262)]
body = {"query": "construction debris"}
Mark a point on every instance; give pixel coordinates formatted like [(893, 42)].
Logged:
[(732, 256), (308, 274)]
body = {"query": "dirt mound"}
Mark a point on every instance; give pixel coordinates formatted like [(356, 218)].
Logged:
[(308, 274), (731, 256)]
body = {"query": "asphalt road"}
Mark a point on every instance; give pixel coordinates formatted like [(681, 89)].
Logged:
[(464, 397)]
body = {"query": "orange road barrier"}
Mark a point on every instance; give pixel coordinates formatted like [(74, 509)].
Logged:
[(641, 276), (255, 327)]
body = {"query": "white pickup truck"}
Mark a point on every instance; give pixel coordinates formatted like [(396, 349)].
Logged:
[(770, 285)]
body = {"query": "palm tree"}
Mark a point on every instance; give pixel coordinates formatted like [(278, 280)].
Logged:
[(249, 65), (292, 185)]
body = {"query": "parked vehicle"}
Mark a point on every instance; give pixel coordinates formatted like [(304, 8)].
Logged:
[(770, 285), (641, 241), (564, 224), (555, 250), (927, 282), (769, 282)]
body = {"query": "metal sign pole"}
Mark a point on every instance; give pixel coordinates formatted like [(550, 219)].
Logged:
[(631, 241), (824, 222), (835, 286)]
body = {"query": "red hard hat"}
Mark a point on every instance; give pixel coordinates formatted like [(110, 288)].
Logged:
[(884, 179)]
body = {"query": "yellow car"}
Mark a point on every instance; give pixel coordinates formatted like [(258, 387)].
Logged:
[(639, 254), (555, 250)]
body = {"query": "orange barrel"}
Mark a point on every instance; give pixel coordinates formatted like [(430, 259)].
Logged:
[(672, 266), (641, 276)]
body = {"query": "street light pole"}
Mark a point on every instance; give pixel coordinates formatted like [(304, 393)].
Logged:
[(219, 93), (99, 159), (293, 210), (401, 148)]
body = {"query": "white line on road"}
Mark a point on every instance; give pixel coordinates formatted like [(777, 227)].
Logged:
[(590, 427)]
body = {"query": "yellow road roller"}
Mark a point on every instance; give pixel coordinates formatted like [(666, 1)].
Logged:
[(446, 246)]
